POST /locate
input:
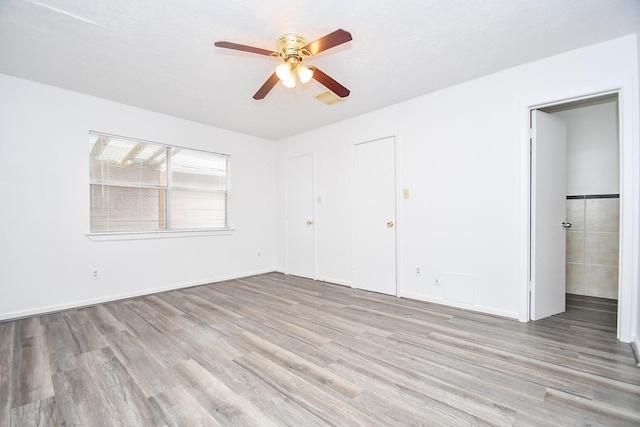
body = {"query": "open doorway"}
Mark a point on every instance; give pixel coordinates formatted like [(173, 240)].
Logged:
[(592, 207)]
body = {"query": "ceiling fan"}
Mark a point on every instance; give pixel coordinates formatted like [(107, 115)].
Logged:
[(293, 49)]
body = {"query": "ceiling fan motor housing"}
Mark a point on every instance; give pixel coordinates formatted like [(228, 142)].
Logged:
[(291, 46)]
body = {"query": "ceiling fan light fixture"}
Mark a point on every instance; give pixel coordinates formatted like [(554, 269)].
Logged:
[(286, 72), (283, 71), (305, 73), (290, 82)]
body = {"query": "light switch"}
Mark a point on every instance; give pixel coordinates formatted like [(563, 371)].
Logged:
[(405, 193)]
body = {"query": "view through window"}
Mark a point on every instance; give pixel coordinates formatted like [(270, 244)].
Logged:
[(144, 186)]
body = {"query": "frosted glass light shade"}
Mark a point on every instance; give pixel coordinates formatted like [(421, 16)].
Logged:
[(290, 81), (305, 73), (286, 74), (283, 71)]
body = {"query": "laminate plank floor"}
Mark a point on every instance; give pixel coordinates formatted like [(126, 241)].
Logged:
[(276, 350)]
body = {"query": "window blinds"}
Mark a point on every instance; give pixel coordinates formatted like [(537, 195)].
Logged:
[(142, 186)]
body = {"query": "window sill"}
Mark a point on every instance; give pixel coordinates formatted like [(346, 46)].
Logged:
[(146, 235)]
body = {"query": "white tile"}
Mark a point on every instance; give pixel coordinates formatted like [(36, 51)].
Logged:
[(575, 281), (601, 281), (601, 248), (575, 246), (602, 215), (576, 214)]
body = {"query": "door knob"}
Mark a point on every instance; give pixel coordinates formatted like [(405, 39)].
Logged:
[(566, 225), (309, 222), (390, 224)]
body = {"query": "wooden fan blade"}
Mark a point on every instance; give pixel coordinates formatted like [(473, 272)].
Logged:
[(327, 42), (330, 84), (266, 87), (245, 48)]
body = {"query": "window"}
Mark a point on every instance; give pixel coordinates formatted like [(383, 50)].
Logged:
[(139, 186)]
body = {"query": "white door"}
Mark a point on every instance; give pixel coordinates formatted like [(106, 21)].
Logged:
[(548, 214), (299, 208), (375, 216)]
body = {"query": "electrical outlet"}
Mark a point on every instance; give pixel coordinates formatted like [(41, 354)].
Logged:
[(436, 280), (259, 253), (95, 274), (418, 272)]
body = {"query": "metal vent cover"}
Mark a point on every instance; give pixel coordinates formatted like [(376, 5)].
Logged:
[(328, 97)]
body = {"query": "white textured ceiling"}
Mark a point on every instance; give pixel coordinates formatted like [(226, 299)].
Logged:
[(159, 54)]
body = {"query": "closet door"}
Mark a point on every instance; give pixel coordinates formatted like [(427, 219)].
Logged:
[(299, 207), (375, 216)]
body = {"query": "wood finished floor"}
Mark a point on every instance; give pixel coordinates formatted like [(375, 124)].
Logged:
[(280, 350)]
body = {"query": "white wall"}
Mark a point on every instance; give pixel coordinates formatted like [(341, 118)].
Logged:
[(45, 257), (593, 151), (636, 290), (464, 158)]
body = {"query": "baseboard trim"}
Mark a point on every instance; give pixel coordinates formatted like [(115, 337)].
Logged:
[(334, 281), (635, 346), (441, 301), (14, 315)]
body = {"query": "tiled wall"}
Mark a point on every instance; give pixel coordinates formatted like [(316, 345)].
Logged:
[(592, 245)]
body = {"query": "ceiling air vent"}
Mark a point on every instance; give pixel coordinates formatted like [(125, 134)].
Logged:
[(328, 97)]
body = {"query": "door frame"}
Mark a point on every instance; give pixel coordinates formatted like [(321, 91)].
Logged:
[(629, 201), (397, 207)]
